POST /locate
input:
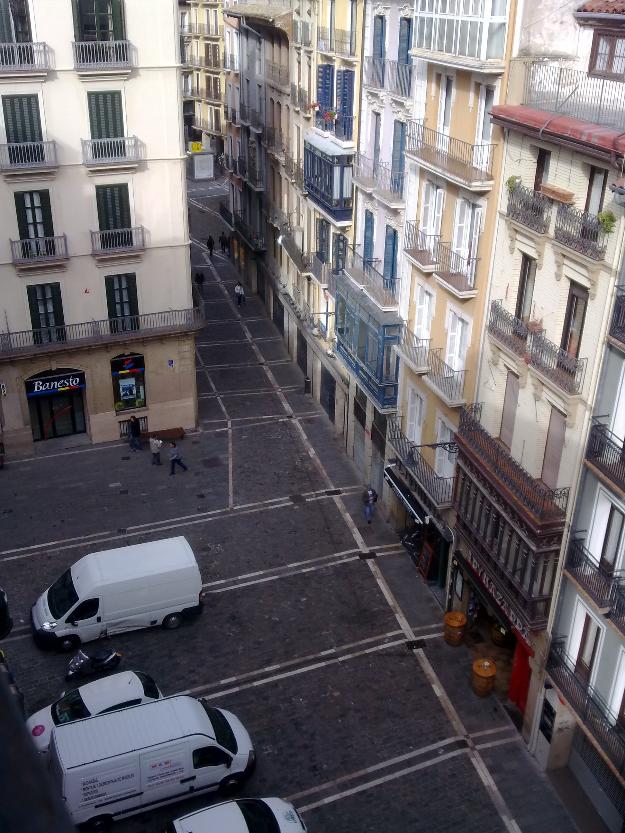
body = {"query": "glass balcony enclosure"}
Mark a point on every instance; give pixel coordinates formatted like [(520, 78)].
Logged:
[(328, 176), (471, 29)]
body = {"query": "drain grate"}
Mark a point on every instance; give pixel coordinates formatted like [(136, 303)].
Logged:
[(415, 644), (331, 492), (367, 556)]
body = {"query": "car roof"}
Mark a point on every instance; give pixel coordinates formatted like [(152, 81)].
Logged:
[(225, 817), (109, 691)]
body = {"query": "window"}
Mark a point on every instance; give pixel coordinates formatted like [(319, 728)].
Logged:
[(444, 104), (367, 247), (414, 415), (121, 301), (543, 160), (22, 124), (432, 208), (587, 651), (69, 708), (14, 24), (114, 216), (119, 706), (525, 294), (405, 40), (553, 448), (105, 115), (574, 319), (345, 103), (397, 157), (597, 181), (376, 121), (608, 55), (150, 689), (457, 341), (323, 240), (424, 304), (46, 312), (85, 610), (339, 252), (379, 37), (444, 461), (485, 105), (99, 20), (510, 403), (390, 257), (467, 228), (605, 540), (210, 756), (34, 223), (128, 376)]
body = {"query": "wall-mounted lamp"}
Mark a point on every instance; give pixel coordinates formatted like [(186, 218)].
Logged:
[(280, 239), (618, 189)]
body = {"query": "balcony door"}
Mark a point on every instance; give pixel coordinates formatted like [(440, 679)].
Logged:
[(14, 23), (367, 246), (606, 538), (379, 37), (22, 124), (390, 258), (424, 306), (525, 294), (98, 20), (586, 655), (34, 222), (481, 154), (46, 312), (457, 341), (121, 301), (444, 461), (432, 209), (106, 120), (443, 123), (574, 320), (414, 415), (114, 216), (553, 448), (466, 236), (595, 195)]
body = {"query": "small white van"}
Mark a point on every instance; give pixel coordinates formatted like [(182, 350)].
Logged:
[(126, 762), (119, 590)]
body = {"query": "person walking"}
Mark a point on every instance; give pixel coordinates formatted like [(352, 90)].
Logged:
[(239, 291), (222, 243), (134, 434), (175, 459), (369, 498), (155, 448), (210, 245), (228, 245)]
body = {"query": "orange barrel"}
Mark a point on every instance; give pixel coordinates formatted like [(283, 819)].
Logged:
[(455, 625), (483, 679)]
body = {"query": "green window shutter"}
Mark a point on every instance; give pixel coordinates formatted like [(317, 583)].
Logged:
[(115, 285), (33, 306), (117, 11), (76, 16), (22, 215), (105, 115), (20, 210), (46, 214), (21, 118), (133, 302), (57, 304), (109, 282), (6, 28), (113, 207)]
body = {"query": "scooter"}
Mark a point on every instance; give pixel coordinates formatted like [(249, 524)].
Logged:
[(84, 664)]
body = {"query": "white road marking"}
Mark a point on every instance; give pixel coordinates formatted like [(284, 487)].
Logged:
[(230, 466)]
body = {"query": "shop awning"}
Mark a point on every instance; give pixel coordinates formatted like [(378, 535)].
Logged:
[(404, 494)]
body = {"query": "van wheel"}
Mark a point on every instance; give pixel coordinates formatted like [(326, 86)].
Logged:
[(69, 643), (231, 784), (100, 824), (173, 621)]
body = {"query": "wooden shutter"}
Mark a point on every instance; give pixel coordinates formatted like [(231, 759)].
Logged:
[(453, 336), (423, 312), (379, 36), (119, 28), (114, 284), (399, 146), (390, 253), (21, 118), (325, 85), (510, 403), (33, 304), (368, 237), (7, 33), (461, 230), (339, 250), (113, 207), (22, 219), (405, 37), (553, 448), (377, 121), (345, 99), (57, 304), (105, 115), (415, 416), (439, 203), (426, 207), (323, 230)]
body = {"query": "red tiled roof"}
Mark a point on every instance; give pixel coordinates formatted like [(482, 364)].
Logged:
[(602, 7), (596, 139)]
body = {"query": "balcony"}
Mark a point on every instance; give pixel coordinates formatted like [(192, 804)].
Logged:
[(617, 614), (339, 125), (300, 99), (617, 324), (384, 182), (20, 159), (110, 153), (254, 176), (76, 336), (607, 453), (555, 88), (468, 165), (275, 141), (35, 252), (318, 267), (294, 171), (446, 382), (599, 583), (117, 242), (374, 73), (294, 251), (399, 79), (415, 352), (277, 73), (384, 291), (555, 364), (213, 127), (110, 57), (231, 62), (592, 711), (580, 231), (24, 60), (232, 116), (340, 42), (421, 248), (530, 208), (226, 215), (253, 238), (456, 271), (508, 330), (213, 94)]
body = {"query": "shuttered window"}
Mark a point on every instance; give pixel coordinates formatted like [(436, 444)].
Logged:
[(105, 115), (553, 448), (325, 86), (22, 122), (14, 22), (379, 36), (345, 101), (398, 158), (121, 301), (46, 312), (377, 124), (323, 240), (339, 250), (511, 400), (390, 257), (113, 207), (405, 39), (367, 252), (34, 217), (99, 20)]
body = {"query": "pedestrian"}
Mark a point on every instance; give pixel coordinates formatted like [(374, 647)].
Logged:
[(369, 498), (175, 459), (155, 448), (134, 434), (210, 244), (199, 278), (222, 243), (228, 245), (239, 291)]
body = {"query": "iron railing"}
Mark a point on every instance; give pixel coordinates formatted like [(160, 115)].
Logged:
[(231, 61), (445, 379), (607, 452), (564, 370), (581, 231), (254, 175), (383, 291), (599, 583), (420, 246), (28, 155), (103, 54), (414, 350), (278, 73), (390, 181), (253, 237), (213, 126), (470, 163), (340, 125), (439, 489), (573, 92), (39, 250), (374, 73), (617, 614), (455, 269), (293, 250), (531, 208), (49, 339), (213, 93), (231, 115), (399, 78), (617, 324), (508, 329), (109, 241), (544, 503), (110, 151), (337, 41), (23, 57), (364, 173), (226, 214), (275, 140), (588, 704), (319, 268)]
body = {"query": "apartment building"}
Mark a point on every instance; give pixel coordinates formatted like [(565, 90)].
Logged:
[(97, 315), (290, 155), (204, 61)]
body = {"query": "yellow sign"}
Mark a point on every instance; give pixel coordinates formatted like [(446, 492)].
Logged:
[(196, 147)]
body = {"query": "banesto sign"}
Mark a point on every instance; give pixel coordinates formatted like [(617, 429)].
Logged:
[(50, 385)]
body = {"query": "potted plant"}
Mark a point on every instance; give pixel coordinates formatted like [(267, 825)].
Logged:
[(512, 182), (607, 220), (329, 115)]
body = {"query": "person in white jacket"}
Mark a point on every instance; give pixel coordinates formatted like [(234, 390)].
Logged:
[(155, 448)]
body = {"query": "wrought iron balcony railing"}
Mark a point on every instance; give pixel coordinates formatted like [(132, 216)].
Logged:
[(231, 62), (449, 382), (105, 54), (439, 489), (362, 271), (617, 614), (318, 267), (580, 231), (374, 73), (34, 250), (213, 93), (255, 176), (255, 239), (23, 57), (531, 208), (564, 370), (336, 41), (340, 125), (275, 141), (420, 246), (111, 241), (455, 269), (414, 351), (542, 502), (508, 329), (28, 156), (399, 78), (617, 325), (462, 160), (556, 88), (589, 706), (226, 214), (599, 583), (49, 339), (607, 452), (389, 182), (110, 151)]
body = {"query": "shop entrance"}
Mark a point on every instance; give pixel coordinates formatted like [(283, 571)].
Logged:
[(55, 403)]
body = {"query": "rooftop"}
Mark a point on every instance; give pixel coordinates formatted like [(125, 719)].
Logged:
[(602, 7)]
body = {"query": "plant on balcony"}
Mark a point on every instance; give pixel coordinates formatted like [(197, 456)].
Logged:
[(329, 115), (512, 182), (607, 221)]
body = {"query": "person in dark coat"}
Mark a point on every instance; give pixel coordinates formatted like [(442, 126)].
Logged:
[(134, 434), (222, 242), (210, 245)]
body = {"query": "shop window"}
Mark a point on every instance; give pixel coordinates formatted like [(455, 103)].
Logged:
[(128, 376)]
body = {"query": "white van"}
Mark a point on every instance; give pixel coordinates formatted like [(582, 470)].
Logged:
[(119, 590), (118, 764)]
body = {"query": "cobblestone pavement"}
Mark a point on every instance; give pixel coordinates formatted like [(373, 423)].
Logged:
[(310, 610)]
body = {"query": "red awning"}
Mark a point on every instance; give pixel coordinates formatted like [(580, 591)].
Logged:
[(595, 139)]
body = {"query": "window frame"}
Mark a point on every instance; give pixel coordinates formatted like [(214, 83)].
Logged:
[(612, 35), (121, 403)]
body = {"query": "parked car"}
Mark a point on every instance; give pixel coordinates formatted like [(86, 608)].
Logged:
[(118, 691), (6, 623), (245, 815)]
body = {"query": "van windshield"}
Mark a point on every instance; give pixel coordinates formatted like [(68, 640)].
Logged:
[(223, 733), (62, 595)]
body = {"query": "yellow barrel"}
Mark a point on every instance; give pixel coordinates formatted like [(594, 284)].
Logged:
[(483, 679), (455, 625)]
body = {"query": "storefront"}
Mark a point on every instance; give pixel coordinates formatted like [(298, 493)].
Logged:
[(56, 403)]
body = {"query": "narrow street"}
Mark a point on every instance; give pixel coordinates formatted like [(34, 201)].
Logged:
[(318, 632)]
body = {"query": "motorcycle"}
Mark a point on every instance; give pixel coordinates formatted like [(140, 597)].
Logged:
[(413, 541), (84, 664)]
